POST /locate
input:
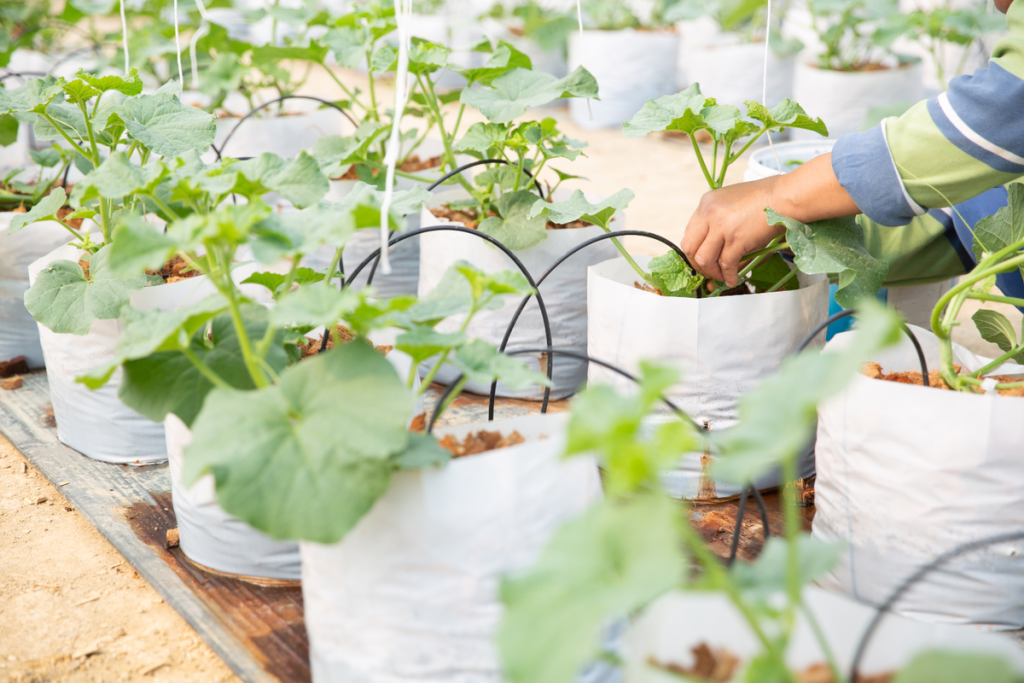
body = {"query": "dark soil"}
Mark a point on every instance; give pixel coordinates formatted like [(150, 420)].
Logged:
[(479, 442), (709, 287), (312, 346), (718, 666), (413, 164), (874, 371), (471, 218), (174, 271)]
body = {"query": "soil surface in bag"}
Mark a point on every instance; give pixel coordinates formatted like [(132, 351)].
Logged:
[(471, 218), (172, 271), (738, 290), (479, 442), (312, 345), (410, 165), (717, 665), (873, 370)]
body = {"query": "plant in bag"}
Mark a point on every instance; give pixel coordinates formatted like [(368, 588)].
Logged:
[(833, 246), (549, 28), (231, 370), (27, 25), (635, 546), (998, 248), (615, 15), (746, 19), (853, 33)]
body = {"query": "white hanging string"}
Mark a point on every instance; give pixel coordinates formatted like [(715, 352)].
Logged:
[(403, 10), (579, 19), (177, 47), (204, 28), (124, 37), (764, 82)]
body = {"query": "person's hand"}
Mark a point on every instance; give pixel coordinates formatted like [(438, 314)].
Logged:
[(728, 224)]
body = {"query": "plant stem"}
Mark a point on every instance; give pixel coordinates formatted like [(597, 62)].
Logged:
[(783, 280), (334, 267), (263, 347), (819, 635), (454, 394), (351, 95), (205, 370), (703, 166), (74, 145), (999, 299), (792, 525), (758, 257), (168, 212), (444, 355), (625, 254), (227, 287), (980, 372)]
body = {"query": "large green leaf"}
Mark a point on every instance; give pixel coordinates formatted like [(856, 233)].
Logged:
[(834, 246), (681, 111), (32, 96), (996, 328), (777, 418), (66, 302), (167, 381), (301, 232), (423, 342), (577, 207), (514, 227), (672, 277), (305, 458), (786, 114), (118, 177), (46, 209), (349, 45), (314, 306), (299, 180), (482, 363), (138, 246), (130, 85), (1006, 227), (943, 666), (9, 130), (510, 95), (503, 59), (453, 295), (166, 126), (609, 562), (481, 137), (769, 272)]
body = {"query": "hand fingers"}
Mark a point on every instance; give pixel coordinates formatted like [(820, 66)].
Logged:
[(696, 232), (706, 258), (728, 262)]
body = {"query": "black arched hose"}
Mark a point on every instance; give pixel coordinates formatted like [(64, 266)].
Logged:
[(480, 162), (942, 559), (458, 228), (572, 354), (224, 144), (22, 74), (762, 508), (564, 257)]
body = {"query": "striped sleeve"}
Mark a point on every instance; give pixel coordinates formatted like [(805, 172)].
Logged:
[(947, 149)]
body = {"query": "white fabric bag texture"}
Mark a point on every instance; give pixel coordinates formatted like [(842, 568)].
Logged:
[(842, 99), (630, 66), (411, 594), (907, 473), (723, 348), (19, 335), (284, 135), (564, 293)]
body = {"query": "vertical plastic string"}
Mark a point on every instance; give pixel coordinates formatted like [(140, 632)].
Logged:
[(124, 38), (764, 82), (204, 27), (403, 10), (177, 47), (579, 20)]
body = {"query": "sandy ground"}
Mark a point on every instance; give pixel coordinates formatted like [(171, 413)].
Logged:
[(72, 610)]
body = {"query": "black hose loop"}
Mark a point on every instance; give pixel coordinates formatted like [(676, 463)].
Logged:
[(375, 256), (923, 571), (231, 133), (565, 257), (23, 74), (479, 162), (572, 354)]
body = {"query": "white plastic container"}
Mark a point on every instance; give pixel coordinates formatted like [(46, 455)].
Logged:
[(907, 473), (19, 335), (630, 66), (723, 347), (285, 135), (564, 293), (792, 155), (842, 99), (411, 594)]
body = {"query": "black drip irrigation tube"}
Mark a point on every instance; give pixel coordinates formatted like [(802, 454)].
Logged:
[(245, 118), (803, 345), (560, 261), (480, 162), (914, 578)]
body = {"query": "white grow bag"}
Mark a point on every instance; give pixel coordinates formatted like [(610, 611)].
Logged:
[(763, 163), (842, 99), (906, 473), (284, 136), (19, 335), (678, 622), (564, 293), (630, 66), (723, 347), (411, 594)]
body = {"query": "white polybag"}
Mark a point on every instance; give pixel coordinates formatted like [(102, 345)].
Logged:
[(722, 346), (906, 473), (791, 155), (630, 66), (412, 592), (563, 291), (285, 135), (842, 98), (19, 335)]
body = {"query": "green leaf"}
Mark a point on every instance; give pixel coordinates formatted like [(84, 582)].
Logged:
[(349, 45), (314, 306), (614, 559), (9, 131), (118, 177), (482, 363), (45, 210), (132, 85), (514, 227), (672, 277), (577, 207), (994, 327), (138, 246), (165, 126), (146, 332), (786, 114), (481, 137), (301, 459), (32, 96), (503, 176), (834, 246), (503, 59), (422, 452), (943, 666), (680, 111), (995, 233), (769, 272), (511, 94), (48, 158), (67, 303), (767, 576), (777, 418), (422, 342), (299, 180), (167, 381)]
